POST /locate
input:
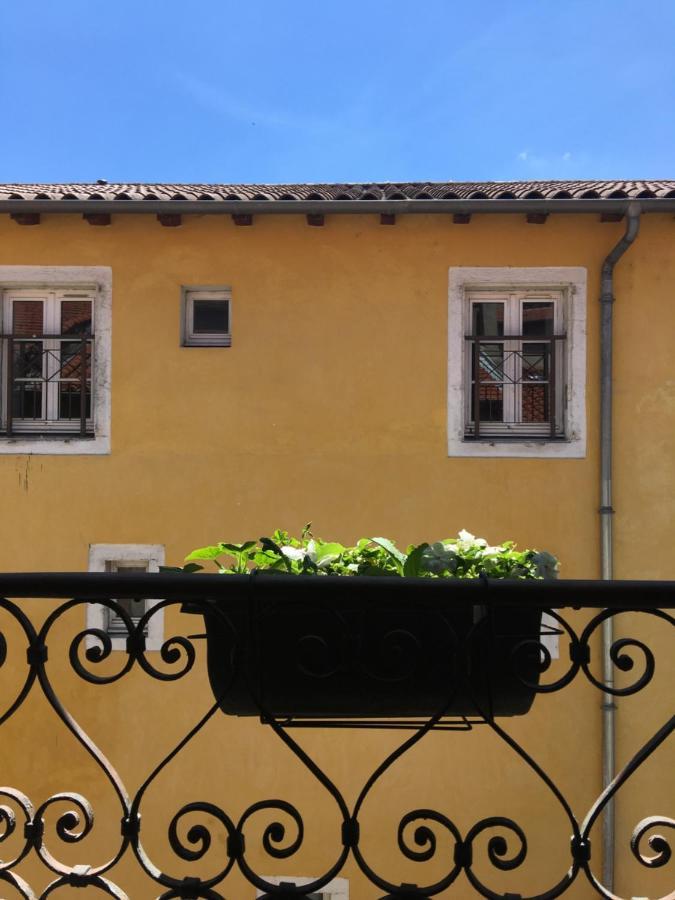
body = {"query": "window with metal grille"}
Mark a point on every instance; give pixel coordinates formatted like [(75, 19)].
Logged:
[(515, 365), (46, 362)]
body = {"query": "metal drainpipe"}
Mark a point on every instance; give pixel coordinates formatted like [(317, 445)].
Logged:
[(606, 513)]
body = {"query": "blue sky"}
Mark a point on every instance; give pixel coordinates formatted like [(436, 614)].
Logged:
[(355, 90)]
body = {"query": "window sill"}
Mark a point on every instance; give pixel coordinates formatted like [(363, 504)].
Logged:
[(514, 439), (221, 344), (55, 444), (537, 448)]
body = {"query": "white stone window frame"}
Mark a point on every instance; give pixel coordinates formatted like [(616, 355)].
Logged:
[(99, 280), (190, 293), (98, 616), (337, 889), (570, 279)]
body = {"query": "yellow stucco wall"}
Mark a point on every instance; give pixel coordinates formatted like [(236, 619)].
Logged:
[(331, 406)]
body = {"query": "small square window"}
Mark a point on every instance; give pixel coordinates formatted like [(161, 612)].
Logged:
[(207, 317), (136, 609), (129, 559), (337, 889)]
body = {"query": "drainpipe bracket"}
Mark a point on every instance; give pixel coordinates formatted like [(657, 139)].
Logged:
[(606, 510)]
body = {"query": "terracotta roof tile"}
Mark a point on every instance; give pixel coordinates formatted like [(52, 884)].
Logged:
[(460, 190)]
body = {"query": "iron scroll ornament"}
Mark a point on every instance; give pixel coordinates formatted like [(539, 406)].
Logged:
[(191, 833)]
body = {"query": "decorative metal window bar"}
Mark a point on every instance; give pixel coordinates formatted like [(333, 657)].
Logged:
[(515, 376), (48, 384), (242, 605)]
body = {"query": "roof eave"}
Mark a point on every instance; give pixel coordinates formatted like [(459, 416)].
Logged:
[(330, 207)]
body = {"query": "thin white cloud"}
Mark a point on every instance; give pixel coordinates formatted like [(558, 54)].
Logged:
[(217, 100), (537, 162)]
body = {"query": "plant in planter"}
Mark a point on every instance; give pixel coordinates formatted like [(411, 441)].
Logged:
[(387, 641)]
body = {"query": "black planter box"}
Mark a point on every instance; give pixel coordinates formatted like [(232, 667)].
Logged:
[(329, 647)]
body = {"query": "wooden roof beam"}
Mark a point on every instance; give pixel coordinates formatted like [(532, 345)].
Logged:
[(97, 218), (25, 218)]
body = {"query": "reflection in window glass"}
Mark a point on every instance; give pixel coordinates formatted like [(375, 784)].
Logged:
[(27, 318), (76, 317), (488, 319), (491, 403), (537, 319), (535, 403)]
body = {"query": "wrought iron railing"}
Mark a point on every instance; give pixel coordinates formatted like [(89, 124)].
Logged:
[(356, 637), (47, 381)]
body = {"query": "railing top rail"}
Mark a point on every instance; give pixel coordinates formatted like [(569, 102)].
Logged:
[(572, 593)]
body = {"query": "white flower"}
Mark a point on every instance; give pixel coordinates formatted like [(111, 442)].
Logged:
[(546, 564), (439, 558), (492, 551), (467, 540), (296, 553)]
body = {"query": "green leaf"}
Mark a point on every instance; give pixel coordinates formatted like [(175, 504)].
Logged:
[(308, 567), (391, 549), (412, 567), (192, 567), (237, 548), (375, 570), (269, 545), (324, 550), (204, 553)]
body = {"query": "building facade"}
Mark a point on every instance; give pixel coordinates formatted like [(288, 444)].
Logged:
[(186, 364)]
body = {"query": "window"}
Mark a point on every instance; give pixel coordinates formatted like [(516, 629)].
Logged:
[(129, 559), (48, 360), (54, 359), (206, 317), (516, 362), (337, 889)]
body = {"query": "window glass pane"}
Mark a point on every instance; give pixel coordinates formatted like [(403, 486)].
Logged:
[(135, 608), (70, 399), (537, 318), (76, 317), (535, 361), (491, 366), (27, 400), (70, 362), (535, 403), (488, 319), (27, 317), (491, 403), (210, 316), (27, 361)]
